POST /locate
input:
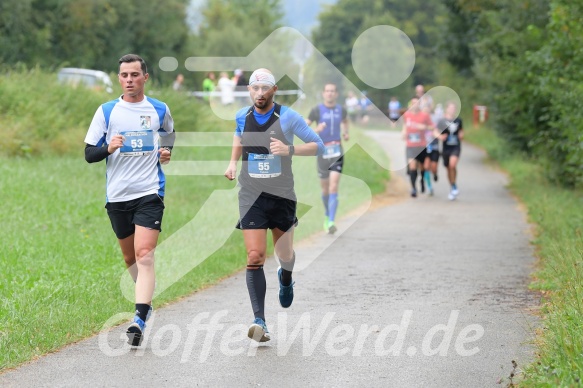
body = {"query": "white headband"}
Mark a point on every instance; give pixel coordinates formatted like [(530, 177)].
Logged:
[(262, 77)]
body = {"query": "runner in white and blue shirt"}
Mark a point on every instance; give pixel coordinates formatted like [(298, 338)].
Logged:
[(134, 134), (134, 170)]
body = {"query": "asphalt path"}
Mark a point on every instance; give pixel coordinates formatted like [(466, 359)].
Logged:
[(420, 292)]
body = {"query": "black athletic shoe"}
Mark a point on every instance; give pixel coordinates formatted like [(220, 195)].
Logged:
[(135, 331), (286, 293), (435, 177)]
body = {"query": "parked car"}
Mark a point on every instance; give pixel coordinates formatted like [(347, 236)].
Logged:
[(94, 79)]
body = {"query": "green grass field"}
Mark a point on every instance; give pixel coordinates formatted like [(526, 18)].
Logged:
[(558, 215), (61, 264)]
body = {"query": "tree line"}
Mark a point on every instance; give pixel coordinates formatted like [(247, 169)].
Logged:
[(94, 33), (522, 58)]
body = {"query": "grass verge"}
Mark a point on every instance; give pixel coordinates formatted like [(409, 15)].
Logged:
[(558, 215)]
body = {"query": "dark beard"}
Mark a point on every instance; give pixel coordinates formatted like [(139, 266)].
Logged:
[(262, 106)]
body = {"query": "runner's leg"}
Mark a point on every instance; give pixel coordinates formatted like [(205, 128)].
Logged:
[(256, 246)]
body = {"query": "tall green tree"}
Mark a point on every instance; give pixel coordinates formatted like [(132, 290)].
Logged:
[(235, 28), (342, 23), (90, 33), (24, 33), (559, 79), (526, 59)]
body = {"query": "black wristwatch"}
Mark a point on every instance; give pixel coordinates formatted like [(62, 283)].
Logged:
[(291, 149), (168, 149)]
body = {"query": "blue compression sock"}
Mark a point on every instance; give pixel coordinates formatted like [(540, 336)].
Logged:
[(332, 206)]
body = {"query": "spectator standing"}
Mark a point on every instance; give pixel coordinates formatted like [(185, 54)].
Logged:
[(208, 85), (227, 88)]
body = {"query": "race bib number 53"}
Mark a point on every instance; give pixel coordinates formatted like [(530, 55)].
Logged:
[(137, 143)]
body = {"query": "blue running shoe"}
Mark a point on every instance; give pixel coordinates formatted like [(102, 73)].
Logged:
[(135, 331), (258, 331), (286, 293)]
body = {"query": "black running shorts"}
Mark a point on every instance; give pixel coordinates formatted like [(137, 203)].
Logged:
[(433, 155), (450, 151), (417, 153), (145, 211), (266, 211)]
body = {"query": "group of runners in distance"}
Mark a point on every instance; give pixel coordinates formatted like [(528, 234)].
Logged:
[(422, 133), (135, 135)]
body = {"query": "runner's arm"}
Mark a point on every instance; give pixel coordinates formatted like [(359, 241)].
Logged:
[(96, 148), (168, 141), (236, 152), (237, 148), (344, 125), (314, 117), (94, 154), (167, 133), (313, 143), (460, 131)]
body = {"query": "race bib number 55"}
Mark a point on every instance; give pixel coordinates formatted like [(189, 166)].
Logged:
[(264, 165)]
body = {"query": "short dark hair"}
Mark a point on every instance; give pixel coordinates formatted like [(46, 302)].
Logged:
[(128, 58), (330, 83)]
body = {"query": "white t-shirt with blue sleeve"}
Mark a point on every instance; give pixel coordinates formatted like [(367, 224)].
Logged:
[(134, 170)]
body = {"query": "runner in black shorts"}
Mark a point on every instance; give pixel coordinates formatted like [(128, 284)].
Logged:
[(264, 139), (332, 126), (431, 158), (452, 138), (134, 134), (416, 123), (145, 211)]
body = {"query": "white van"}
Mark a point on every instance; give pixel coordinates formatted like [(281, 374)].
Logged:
[(93, 79)]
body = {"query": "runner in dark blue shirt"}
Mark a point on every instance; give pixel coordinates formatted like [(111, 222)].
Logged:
[(332, 126)]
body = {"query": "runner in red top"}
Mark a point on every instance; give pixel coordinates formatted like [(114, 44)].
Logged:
[(416, 123)]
